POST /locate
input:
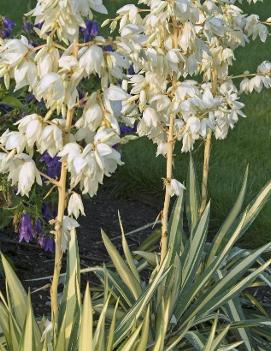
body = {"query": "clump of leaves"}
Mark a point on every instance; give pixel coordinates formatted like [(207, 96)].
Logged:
[(195, 299)]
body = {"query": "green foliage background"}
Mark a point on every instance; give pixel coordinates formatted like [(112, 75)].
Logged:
[(249, 143)]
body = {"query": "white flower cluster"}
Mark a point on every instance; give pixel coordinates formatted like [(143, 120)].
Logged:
[(180, 51), (65, 16), (182, 39), (262, 79), (53, 73)]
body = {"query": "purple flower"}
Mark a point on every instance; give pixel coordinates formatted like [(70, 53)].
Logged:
[(39, 25), (29, 98), (5, 107), (28, 27), (47, 212), (6, 27), (38, 227), (53, 165), (46, 243), (26, 228), (90, 31), (131, 70), (127, 130), (108, 48), (81, 93)]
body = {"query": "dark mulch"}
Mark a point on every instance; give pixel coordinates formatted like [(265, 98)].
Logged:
[(101, 212)]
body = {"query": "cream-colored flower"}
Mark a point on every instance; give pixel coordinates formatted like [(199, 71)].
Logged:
[(75, 206), (176, 188), (31, 126), (91, 59), (22, 173)]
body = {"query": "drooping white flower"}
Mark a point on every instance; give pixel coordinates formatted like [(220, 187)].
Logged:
[(91, 59), (92, 114), (51, 89), (176, 188), (51, 139), (75, 206), (25, 74), (255, 28), (64, 17), (22, 173), (14, 51), (68, 224), (97, 5), (31, 126), (13, 140), (47, 60), (83, 6), (149, 122), (115, 93), (129, 14)]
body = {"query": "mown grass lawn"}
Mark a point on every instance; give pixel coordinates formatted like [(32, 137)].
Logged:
[(249, 143)]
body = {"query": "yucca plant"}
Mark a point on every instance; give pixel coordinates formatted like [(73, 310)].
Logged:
[(195, 299), (78, 327)]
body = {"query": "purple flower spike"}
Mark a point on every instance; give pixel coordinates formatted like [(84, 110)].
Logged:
[(47, 243), (5, 108), (38, 228), (26, 228), (38, 25), (131, 70), (108, 48), (29, 98), (90, 31), (47, 212), (127, 130), (28, 27), (53, 165), (7, 26)]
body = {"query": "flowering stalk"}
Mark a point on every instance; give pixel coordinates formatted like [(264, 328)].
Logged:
[(205, 174), (165, 212), (170, 159), (62, 192), (207, 153)]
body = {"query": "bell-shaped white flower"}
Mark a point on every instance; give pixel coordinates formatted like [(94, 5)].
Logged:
[(176, 188), (92, 114), (14, 51), (75, 206), (51, 139), (115, 93), (91, 59), (47, 60), (31, 126), (23, 173), (68, 224), (129, 14), (13, 140), (25, 74), (83, 6), (151, 117), (50, 88)]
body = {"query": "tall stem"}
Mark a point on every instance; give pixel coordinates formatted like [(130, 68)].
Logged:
[(207, 154), (170, 158), (170, 150), (58, 225), (205, 174)]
